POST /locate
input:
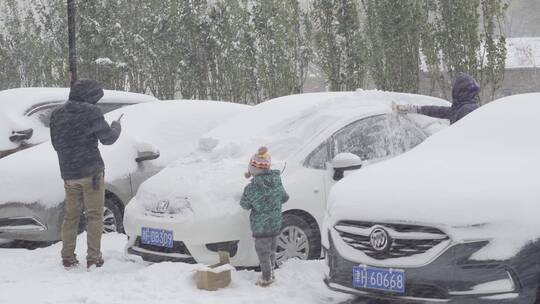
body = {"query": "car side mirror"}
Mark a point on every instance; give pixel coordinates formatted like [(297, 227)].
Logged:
[(344, 162), (18, 136), (147, 155)]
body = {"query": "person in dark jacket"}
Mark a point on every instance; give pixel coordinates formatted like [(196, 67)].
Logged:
[(465, 99), (264, 197), (76, 127)]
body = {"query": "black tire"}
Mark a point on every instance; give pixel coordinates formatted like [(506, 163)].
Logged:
[(113, 220), (117, 220), (303, 232)]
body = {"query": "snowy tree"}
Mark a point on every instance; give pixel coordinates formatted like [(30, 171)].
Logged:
[(99, 32), (279, 48), (52, 18), (464, 38), (340, 48), (393, 32), (233, 62), (193, 32), (12, 45), (494, 46), (248, 51), (131, 46), (160, 46)]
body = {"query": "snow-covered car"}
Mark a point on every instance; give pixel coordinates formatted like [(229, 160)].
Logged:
[(453, 220), (190, 210), (25, 113), (153, 135)]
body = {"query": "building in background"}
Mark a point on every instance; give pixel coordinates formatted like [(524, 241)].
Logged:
[(522, 73)]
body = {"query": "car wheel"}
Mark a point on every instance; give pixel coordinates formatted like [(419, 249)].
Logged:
[(297, 239), (112, 217)]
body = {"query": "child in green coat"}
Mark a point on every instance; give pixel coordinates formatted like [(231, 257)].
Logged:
[(264, 197)]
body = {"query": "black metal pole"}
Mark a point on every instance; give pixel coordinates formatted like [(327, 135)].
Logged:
[(71, 11)]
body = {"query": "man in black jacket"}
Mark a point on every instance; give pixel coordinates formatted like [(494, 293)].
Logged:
[(464, 100), (76, 127)]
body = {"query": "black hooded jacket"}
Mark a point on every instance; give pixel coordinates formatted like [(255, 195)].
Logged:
[(464, 100), (76, 127)]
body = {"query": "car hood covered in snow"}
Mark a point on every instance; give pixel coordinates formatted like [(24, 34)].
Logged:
[(14, 103), (477, 180), (170, 127), (212, 177)]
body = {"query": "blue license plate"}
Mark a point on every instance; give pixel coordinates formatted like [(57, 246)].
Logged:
[(379, 278), (157, 237)]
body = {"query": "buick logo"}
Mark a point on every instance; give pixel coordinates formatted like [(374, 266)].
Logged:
[(379, 239), (162, 206)]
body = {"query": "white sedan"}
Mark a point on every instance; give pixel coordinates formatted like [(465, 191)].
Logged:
[(191, 209), (153, 135), (25, 113)]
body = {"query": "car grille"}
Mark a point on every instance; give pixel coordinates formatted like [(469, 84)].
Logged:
[(406, 240), (178, 247)]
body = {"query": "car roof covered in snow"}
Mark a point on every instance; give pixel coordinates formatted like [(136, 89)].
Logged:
[(22, 99), (14, 104), (287, 122), (170, 127), (478, 179)]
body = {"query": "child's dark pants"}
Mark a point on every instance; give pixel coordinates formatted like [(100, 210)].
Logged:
[(266, 250)]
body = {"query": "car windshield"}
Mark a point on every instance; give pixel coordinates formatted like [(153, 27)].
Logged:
[(43, 112)]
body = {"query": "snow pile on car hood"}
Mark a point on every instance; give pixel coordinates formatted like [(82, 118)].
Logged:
[(213, 176), (14, 103), (479, 179), (170, 127)]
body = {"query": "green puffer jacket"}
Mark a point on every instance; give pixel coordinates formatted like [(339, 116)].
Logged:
[(264, 197)]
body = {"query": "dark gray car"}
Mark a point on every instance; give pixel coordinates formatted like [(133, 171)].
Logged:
[(154, 134)]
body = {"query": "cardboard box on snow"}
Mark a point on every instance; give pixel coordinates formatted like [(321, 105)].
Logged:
[(215, 276)]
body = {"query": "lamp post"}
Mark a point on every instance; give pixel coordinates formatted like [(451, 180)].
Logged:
[(71, 11)]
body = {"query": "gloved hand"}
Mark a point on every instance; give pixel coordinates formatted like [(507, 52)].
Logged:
[(405, 108), (116, 126)]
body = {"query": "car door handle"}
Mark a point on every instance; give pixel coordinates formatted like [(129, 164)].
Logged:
[(18, 136)]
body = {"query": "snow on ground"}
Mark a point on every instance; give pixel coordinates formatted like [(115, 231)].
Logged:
[(37, 277)]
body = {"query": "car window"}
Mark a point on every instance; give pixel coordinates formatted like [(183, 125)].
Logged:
[(371, 138), (405, 134), (319, 157), (368, 138), (109, 107), (43, 113)]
